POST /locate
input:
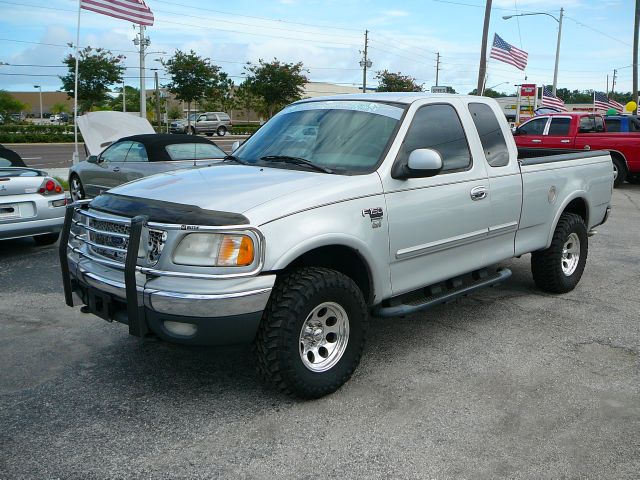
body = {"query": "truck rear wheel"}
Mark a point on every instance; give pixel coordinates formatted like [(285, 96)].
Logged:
[(558, 268), (619, 171), (312, 332)]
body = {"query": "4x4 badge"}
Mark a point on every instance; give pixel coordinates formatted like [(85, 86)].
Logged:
[(375, 214)]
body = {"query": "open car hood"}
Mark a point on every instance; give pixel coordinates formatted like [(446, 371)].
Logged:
[(101, 129)]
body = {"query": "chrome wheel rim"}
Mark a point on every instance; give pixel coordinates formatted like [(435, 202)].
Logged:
[(615, 171), (324, 337), (76, 189), (570, 254)]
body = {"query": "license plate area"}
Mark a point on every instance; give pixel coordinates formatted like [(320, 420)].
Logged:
[(100, 304), (9, 211)]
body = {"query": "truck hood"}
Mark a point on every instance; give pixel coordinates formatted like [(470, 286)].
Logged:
[(261, 194), (101, 129)]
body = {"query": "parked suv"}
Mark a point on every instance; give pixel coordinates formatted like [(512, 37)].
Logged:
[(207, 123)]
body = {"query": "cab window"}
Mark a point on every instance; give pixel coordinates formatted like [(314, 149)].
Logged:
[(116, 152), (613, 124), (137, 153), (491, 137), (559, 126), (587, 125), (533, 127), (438, 127)]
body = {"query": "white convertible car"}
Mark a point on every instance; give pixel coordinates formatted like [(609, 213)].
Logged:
[(31, 203)]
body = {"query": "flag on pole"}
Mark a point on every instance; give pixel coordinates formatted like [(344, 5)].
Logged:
[(506, 53), (134, 11), (602, 102), (550, 100)]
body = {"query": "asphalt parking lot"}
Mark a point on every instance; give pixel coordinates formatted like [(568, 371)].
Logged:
[(507, 383)]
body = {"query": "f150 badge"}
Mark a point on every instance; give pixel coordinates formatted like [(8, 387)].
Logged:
[(375, 214)]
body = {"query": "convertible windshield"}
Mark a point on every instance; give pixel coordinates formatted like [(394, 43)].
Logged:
[(339, 136)]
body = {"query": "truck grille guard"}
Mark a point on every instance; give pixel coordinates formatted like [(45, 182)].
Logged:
[(116, 242)]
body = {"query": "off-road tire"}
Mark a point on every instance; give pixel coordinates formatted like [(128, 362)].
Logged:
[(221, 131), (46, 239), (277, 344), (546, 265), (619, 166)]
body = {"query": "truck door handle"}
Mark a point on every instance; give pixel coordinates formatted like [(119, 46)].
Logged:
[(565, 141), (478, 193), (116, 169), (536, 141)]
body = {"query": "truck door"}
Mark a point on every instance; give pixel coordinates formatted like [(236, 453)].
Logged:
[(530, 133), (505, 182), (437, 225), (558, 133)]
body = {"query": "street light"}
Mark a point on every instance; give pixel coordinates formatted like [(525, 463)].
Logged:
[(559, 20), (497, 85), (40, 87)]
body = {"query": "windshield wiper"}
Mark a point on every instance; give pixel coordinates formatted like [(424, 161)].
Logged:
[(233, 158), (297, 161)]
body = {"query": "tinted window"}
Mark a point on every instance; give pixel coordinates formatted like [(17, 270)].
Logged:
[(212, 117), (599, 124), (491, 137), (438, 127), (137, 153), (559, 126), (116, 152), (613, 124), (224, 117), (587, 124), (533, 127), (194, 151)]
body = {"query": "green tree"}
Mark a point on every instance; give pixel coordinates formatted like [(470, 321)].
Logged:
[(98, 69), (275, 83), (194, 77), (59, 107), (396, 82), (488, 92), (131, 98), (174, 112), (9, 105), (221, 97)]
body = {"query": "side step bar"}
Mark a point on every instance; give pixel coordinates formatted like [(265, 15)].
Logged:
[(428, 301)]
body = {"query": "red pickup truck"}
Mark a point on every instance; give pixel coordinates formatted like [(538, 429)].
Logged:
[(582, 131)]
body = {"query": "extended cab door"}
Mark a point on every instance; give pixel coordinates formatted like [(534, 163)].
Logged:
[(438, 224), (558, 133), (530, 133)]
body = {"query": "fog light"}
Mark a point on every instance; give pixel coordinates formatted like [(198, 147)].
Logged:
[(179, 328)]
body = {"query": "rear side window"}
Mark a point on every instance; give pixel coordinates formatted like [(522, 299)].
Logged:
[(194, 151), (587, 125), (533, 127), (613, 124), (212, 117), (559, 126), (491, 137), (224, 117), (599, 124), (438, 127)]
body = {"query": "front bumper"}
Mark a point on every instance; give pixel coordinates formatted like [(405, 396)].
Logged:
[(182, 310)]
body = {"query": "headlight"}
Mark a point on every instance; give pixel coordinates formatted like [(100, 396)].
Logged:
[(215, 250)]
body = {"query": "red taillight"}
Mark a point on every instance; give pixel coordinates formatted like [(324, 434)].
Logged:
[(49, 185)]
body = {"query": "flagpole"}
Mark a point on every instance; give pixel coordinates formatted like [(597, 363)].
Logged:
[(75, 94)]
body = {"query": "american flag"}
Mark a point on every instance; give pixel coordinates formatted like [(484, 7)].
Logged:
[(506, 53), (602, 102), (550, 100), (134, 11)]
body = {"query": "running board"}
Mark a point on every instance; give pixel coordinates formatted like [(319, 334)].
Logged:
[(423, 300)]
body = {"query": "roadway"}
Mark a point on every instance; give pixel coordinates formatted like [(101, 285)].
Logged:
[(59, 155)]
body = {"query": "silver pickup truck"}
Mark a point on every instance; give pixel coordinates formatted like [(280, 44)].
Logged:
[(337, 208)]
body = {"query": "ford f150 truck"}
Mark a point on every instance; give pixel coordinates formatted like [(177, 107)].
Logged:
[(558, 132), (337, 208)]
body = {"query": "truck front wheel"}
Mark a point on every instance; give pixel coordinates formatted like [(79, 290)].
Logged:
[(558, 268), (312, 332)]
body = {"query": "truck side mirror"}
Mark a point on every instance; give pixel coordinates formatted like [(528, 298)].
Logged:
[(423, 162)]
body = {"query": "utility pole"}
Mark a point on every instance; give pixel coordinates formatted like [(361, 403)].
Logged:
[(635, 54), (124, 99), (158, 119), (555, 70), (613, 81), (483, 54), (142, 42), (365, 62), (40, 87), (437, 66)]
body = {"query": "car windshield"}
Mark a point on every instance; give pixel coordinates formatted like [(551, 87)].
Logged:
[(343, 136)]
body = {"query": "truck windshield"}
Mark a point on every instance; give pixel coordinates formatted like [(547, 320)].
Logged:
[(346, 137)]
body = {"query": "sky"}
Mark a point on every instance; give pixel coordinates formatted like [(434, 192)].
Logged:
[(327, 36)]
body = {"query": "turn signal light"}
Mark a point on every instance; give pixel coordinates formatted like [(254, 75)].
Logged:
[(235, 250)]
